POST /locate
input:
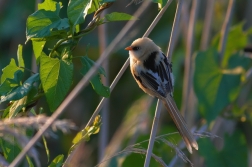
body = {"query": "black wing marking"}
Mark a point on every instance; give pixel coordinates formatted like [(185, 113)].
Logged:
[(140, 80), (167, 71), (152, 83), (158, 80), (150, 62)]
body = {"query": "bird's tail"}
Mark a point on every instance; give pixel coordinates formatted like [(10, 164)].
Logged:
[(180, 123)]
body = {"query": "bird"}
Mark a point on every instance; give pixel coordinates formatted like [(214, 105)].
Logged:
[(153, 74)]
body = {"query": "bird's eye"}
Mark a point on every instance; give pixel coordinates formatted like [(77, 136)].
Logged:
[(135, 48)]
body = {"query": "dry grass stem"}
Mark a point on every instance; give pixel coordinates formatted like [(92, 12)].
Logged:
[(158, 107), (207, 25), (225, 28), (187, 108)]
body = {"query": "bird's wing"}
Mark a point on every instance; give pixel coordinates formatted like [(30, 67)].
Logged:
[(159, 80)]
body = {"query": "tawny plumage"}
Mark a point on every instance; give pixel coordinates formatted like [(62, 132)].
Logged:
[(153, 73)]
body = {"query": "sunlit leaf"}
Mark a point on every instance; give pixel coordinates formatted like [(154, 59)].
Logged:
[(96, 79), (57, 162), (237, 39), (46, 24), (16, 107), (21, 91), (84, 134), (9, 71), (94, 7), (37, 49), (161, 3), (77, 11), (56, 78), (9, 84), (20, 56), (48, 5)]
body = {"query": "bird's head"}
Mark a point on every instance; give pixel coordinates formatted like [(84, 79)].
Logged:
[(142, 47)]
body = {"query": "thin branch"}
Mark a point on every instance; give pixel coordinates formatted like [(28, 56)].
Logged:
[(187, 85), (174, 30), (225, 29), (104, 131), (158, 108), (153, 134), (83, 83), (207, 24)]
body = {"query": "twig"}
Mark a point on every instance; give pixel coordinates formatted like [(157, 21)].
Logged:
[(153, 134), (187, 84), (158, 108), (207, 24), (174, 29), (103, 135), (83, 83), (225, 29)]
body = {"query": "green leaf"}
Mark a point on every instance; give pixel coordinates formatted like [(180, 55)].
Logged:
[(226, 156), (57, 162), (56, 77), (77, 11), (20, 56), (16, 107), (237, 39), (37, 49), (9, 71), (96, 79), (9, 84), (115, 16), (46, 148), (9, 150), (94, 7), (215, 87), (46, 24), (161, 3), (84, 134), (21, 91), (29, 161), (48, 5)]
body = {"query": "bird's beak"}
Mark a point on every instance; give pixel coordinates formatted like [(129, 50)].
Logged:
[(129, 48)]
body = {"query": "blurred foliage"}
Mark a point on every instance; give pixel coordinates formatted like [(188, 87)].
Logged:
[(233, 153), (222, 85)]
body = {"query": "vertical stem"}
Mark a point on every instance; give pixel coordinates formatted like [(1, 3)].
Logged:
[(207, 24), (187, 85), (158, 107), (225, 28), (103, 135), (153, 134), (174, 29)]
